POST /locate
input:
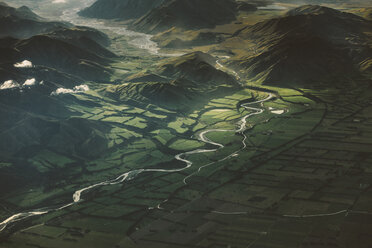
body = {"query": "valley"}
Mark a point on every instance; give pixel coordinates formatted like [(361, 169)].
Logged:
[(227, 139)]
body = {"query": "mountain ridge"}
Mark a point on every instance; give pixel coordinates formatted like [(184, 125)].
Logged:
[(307, 45)]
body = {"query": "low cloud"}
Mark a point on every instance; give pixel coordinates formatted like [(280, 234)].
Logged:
[(9, 84), (76, 89), (30, 82), (23, 64), (12, 84)]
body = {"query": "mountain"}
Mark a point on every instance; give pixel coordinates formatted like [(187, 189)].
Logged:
[(307, 46), (67, 51), (121, 9), (20, 13), (172, 95), (154, 16), (190, 38), (23, 23), (178, 83), (51, 52), (364, 12), (196, 67), (189, 14), (368, 14), (38, 58), (69, 136), (81, 57)]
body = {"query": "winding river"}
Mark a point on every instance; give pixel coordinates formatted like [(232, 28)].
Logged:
[(139, 40), (136, 39), (77, 195), (142, 41)]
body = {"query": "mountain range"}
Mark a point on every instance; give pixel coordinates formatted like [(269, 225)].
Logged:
[(39, 57), (178, 83), (77, 51), (309, 45), (155, 16), (120, 9)]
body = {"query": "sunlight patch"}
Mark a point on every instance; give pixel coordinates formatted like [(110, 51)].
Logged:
[(76, 89)]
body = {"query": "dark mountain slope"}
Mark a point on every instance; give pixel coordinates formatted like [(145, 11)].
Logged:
[(62, 48), (308, 46), (178, 83), (32, 117), (188, 14), (196, 67), (46, 51), (23, 23), (51, 52), (173, 95), (20, 13), (123, 9)]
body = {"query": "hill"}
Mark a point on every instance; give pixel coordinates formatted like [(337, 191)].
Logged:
[(196, 67), (51, 52), (121, 9), (38, 58), (178, 83), (23, 23), (189, 14), (67, 51), (363, 12), (307, 46)]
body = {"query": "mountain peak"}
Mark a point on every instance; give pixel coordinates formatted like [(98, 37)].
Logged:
[(21, 12), (312, 10), (318, 10)]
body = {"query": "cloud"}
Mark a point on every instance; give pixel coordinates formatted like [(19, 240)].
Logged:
[(81, 88), (23, 64), (30, 82), (61, 91), (76, 89), (10, 84)]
